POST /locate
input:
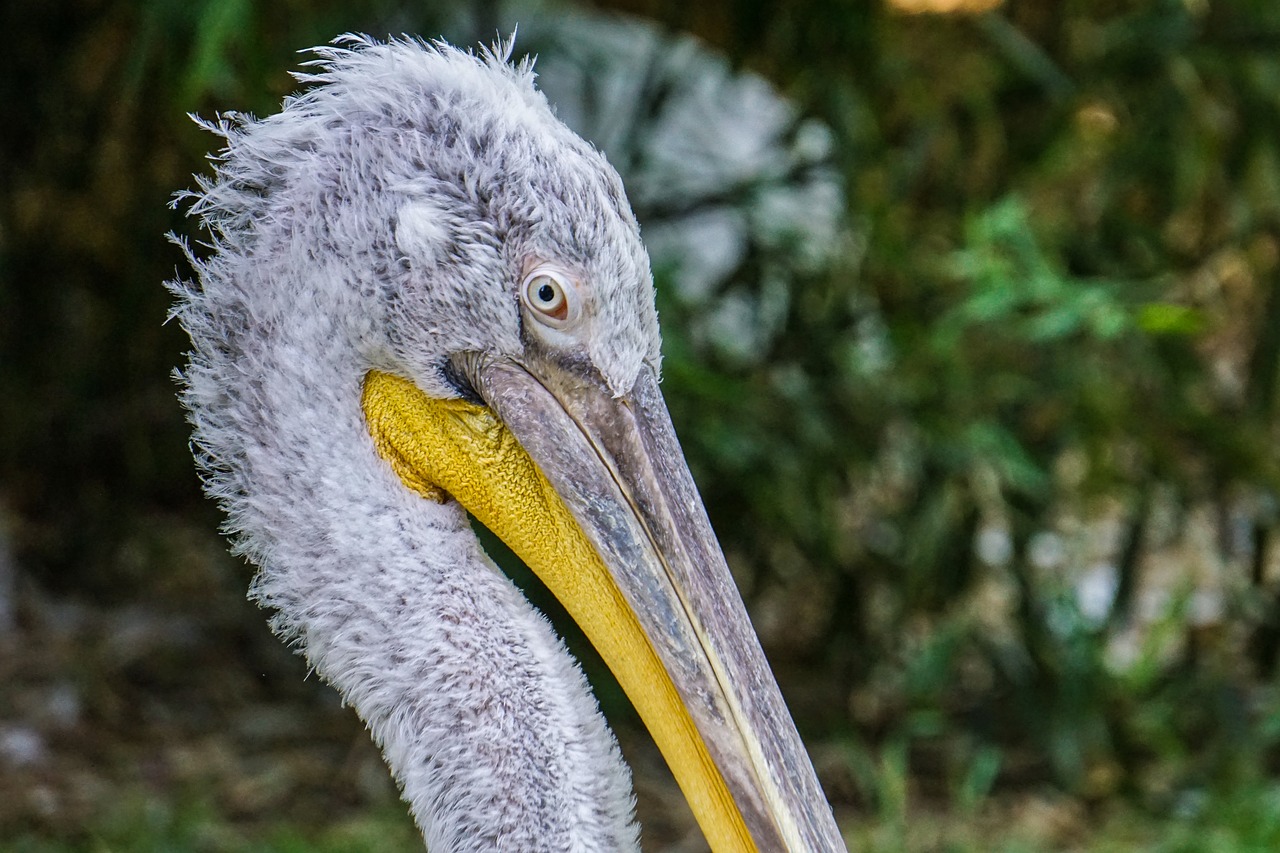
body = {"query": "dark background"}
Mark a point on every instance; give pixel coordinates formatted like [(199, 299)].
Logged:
[(982, 402)]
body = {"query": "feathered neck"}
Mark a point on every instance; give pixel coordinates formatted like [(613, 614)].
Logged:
[(486, 723)]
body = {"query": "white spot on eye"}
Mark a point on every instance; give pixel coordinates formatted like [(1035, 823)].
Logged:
[(421, 232)]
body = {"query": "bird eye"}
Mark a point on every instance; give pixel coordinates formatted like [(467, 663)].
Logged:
[(547, 296)]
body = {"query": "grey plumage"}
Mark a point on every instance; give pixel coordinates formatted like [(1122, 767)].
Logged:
[(326, 264)]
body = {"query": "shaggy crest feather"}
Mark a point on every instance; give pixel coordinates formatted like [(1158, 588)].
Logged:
[(383, 220)]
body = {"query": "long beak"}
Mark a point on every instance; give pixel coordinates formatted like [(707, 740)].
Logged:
[(593, 493)]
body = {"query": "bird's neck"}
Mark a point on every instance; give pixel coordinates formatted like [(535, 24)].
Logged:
[(487, 724)]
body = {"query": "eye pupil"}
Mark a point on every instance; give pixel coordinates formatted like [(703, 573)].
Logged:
[(546, 293)]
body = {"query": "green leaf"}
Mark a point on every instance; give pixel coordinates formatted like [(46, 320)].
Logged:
[(1167, 318)]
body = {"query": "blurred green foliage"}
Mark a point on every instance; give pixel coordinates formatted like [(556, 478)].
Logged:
[(1057, 321), (1001, 489)]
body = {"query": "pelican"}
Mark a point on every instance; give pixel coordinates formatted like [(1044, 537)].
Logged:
[(422, 297)]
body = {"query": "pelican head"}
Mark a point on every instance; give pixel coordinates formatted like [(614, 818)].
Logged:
[(426, 296)]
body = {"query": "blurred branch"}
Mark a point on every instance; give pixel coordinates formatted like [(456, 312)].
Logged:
[(1031, 60)]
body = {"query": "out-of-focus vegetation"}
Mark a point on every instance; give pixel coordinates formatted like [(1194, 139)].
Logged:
[(993, 456)]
